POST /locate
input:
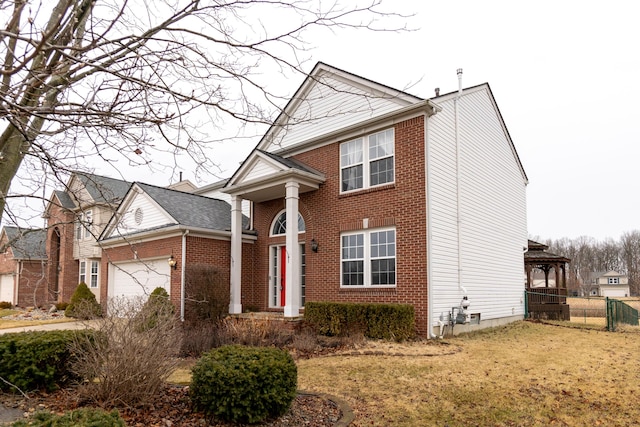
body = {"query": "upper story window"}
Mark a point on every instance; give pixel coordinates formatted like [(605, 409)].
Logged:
[(88, 222), (280, 225), (613, 281), (369, 258), (368, 161)]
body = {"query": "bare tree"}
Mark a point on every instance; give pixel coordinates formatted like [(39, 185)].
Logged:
[(97, 79), (630, 243)]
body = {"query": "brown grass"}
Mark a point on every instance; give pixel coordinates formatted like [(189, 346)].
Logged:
[(8, 324), (525, 374)]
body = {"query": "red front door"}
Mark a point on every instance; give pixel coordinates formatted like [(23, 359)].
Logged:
[(283, 274)]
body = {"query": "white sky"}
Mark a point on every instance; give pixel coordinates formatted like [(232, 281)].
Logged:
[(565, 74)]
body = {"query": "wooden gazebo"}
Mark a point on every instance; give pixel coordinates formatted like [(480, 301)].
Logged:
[(546, 302)]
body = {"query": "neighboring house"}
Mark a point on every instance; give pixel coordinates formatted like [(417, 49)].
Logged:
[(156, 233), (23, 267), (397, 199), (75, 219), (609, 284)]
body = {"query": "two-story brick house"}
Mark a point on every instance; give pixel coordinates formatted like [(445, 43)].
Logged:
[(75, 218), (398, 199)]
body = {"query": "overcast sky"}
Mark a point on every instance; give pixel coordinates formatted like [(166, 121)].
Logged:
[(565, 74)]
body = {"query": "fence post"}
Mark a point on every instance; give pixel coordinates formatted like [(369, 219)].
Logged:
[(609, 315), (526, 304)]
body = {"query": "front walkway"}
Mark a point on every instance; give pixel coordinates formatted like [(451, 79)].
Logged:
[(75, 325)]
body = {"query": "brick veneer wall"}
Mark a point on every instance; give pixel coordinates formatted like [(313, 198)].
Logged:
[(327, 213), (200, 250), (61, 221), (32, 287)]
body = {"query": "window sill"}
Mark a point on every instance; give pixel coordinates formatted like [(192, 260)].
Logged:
[(369, 290), (367, 190)]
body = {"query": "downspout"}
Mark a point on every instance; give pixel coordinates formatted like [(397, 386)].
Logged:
[(182, 273), (456, 105)]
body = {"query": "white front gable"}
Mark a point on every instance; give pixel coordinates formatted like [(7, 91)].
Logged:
[(137, 212), (330, 100)]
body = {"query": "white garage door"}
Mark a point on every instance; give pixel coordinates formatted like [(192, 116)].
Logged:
[(614, 292), (6, 288), (138, 278)]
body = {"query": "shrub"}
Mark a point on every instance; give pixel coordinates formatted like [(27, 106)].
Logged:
[(83, 304), (244, 384), (33, 360), (62, 306), (79, 417), (377, 321), (157, 307), (131, 360), (5, 305), (206, 293)]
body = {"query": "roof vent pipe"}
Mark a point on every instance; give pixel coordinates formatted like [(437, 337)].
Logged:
[(459, 80), (437, 91)]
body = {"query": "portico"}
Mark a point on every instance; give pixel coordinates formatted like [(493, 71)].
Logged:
[(262, 177)]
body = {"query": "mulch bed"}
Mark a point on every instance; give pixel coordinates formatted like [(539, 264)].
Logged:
[(173, 408)]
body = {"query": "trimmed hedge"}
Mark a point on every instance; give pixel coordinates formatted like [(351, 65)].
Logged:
[(36, 360), (244, 384), (377, 321), (85, 417)]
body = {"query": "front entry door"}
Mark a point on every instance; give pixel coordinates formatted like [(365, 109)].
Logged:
[(278, 276)]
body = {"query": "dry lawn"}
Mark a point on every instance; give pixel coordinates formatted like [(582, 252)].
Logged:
[(525, 374)]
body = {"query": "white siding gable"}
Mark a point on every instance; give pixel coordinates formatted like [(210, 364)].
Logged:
[(329, 101), (484, 254), (149, 215)]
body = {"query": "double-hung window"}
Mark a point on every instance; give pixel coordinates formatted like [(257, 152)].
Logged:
[(368, 161), (93, 278), (368, 258), (88, 223), (613, 281), (83, 272)]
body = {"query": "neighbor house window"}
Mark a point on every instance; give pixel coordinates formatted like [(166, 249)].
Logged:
[(368, 161), (83, 272), (369, 258), (613, 280), (93, 282), (88, 222), (79, 231)]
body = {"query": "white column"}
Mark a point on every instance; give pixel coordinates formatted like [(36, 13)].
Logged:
[(292, 292), (235, 303)]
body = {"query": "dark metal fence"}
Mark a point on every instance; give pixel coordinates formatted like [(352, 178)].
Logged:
[(619, 312)]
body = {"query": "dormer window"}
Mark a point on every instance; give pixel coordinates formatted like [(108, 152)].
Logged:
[(368, 161)]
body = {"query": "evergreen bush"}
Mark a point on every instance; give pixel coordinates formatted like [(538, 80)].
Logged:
[(244, 384), (38, 360), (157, 308), (377, 321), (85, 417), (83, 304)]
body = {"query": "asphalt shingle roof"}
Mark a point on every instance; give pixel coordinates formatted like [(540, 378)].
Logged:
[(27, 243), (193, 210), (288, 162), (104, 189)]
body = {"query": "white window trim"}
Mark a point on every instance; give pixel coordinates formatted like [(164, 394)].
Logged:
[(82, 271), (367, 258), (92, 274), (613, 281), (277, 217), (366, 162)]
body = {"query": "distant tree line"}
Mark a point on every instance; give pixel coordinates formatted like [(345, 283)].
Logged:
[(589, 255)]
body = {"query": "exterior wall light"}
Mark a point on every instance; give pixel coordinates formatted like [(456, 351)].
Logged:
[(172, 262), (314, 245)]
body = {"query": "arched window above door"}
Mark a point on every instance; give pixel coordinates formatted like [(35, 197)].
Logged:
[(279, 227)]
